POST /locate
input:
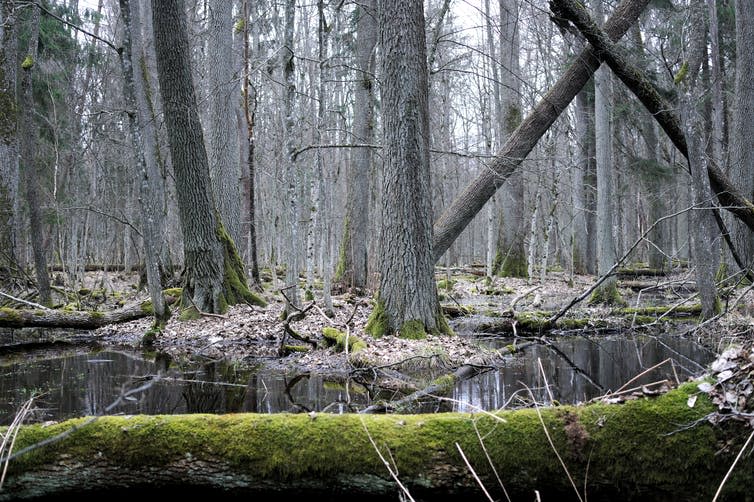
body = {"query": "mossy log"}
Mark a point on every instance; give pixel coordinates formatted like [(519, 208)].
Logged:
[(647, 449), (76, 319)]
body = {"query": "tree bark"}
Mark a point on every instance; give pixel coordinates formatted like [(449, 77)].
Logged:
[(152, 233), (224, 160), (9, 172), (407, 297), (646, 449), (470, 201), (214, 276), (28, 143), (352, 268), (13, 318), (741, 151), (729, 196)]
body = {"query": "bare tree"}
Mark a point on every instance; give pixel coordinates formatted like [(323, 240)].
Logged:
[(9, 207), (407, 301)]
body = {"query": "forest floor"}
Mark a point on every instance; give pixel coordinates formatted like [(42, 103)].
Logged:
[(501, 306)]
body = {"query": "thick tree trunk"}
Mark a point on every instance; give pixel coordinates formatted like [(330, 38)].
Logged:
[(646, 449), (471, 200), (741, 151), (13, 318), (214, 276), (511, 252), (28, 145), (351, 270), (407, 298), (224, 161), (584, 183), (9, 173)]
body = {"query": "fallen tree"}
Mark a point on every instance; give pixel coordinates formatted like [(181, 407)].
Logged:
[(78, 319), (647, 449)]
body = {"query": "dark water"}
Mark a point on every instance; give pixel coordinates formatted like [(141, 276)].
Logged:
[(86, 383)]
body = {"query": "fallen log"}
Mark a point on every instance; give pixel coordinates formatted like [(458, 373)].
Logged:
[(647, 449), (76, 319)]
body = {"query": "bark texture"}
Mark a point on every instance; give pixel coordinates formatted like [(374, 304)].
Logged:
[(407, 293), (647, 449), (9, 173)]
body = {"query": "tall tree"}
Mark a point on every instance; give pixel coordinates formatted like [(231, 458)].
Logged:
[(407, 301), (742, 152), (607, 292), (213, 275), (511, 258), (704, 234), (148, 203), (29, 163), (352, 262), (225, 169), (8, 136)]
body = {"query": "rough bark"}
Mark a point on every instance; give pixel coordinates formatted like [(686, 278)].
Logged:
[(214, 276), (151, 232), (512, 261), (470, 201), (352, 263), (28, 147), (646, 449), (407, 297), (607, 292), (584, 183), (741, 150), (77, 319), (729, 196), (9, 173), (223, 148)]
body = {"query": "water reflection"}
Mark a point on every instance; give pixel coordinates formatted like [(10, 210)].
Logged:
[(87, 383), (602, 364)]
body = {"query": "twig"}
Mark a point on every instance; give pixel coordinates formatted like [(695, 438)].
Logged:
[(11, 433), (733, 465), (473, 473), (394, 475), (19, 300), (552, 445), (642, 374), (492, 464)]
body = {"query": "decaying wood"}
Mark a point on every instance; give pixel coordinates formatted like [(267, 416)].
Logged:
[(76, 319), (646, 449)]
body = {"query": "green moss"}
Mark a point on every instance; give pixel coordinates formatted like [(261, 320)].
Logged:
[(308, 295), (189, 314), (28, 62), (378, 324), (682, 310), (342, 265), (659, 449), (336, 338), (174, 292), (682, 72), (446, 384), (235, 288), (11, 315), (446, 284), (292, 349), (147, 307), (413, 330), (510, 265), (84, 291), (607, 294)]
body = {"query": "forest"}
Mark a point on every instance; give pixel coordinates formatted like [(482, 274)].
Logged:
[(444, 211)]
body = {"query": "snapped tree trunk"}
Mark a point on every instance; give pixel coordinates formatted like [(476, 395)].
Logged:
[(646, 449)]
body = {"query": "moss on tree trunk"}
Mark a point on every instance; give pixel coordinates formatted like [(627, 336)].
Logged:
[(648, 449)]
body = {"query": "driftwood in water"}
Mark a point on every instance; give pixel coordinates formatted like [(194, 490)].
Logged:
[(646, 449)]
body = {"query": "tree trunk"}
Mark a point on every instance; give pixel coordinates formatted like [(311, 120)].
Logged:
[(152, 233), (352, 269), (225, 170), (646, 449), (727, 193), (407, 298), (214, 276), (13, 318), (511, 251), (607, 292), (741, 151), (705, 236), (584, 197), (28, 145), (9, 173), (468, 203)]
